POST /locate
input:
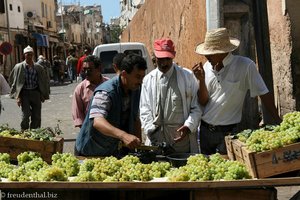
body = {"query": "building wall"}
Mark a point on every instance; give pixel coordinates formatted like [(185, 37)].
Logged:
[(48, 18), (284, 27), (16, 14), (181, 20), (294, 14)]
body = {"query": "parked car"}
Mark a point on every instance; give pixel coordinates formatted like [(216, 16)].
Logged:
[(106, 52)]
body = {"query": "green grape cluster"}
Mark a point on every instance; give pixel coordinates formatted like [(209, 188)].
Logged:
[(42, 134), (52, 173), (87, 172), (129, 168), (27, 156), (67, 162), (18, 174), (244, 135), (273, 137), (5, 169), (201, 168), (290, 120), (5, 157)]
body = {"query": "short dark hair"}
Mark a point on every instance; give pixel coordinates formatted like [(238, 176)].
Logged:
[(132, 60), (94, 59), (117, 59)]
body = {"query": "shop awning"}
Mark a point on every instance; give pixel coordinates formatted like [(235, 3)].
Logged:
[(42, 40)]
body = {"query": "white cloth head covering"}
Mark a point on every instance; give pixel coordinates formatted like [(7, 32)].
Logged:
[(41, 57), (28, 49), (217, 41)]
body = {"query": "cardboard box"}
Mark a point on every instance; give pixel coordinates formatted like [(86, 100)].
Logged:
[(15, 146)]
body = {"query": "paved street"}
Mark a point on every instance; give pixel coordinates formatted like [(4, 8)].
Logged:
[(56, 110)]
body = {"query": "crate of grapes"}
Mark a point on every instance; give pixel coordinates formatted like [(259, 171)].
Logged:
[(43, 140), (267, 163), (272, 162), (271, 150)]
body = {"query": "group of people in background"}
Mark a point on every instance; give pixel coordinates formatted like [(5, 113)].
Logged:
[(171, 104)]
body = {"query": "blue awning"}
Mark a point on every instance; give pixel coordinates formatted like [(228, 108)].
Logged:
[(41, 39)]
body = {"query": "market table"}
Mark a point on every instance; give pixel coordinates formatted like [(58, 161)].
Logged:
[(259, 189)]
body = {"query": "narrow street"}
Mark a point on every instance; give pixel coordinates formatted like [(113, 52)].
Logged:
[(55, 111)]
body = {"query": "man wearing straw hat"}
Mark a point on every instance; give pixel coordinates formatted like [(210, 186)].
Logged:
[(224, 81)]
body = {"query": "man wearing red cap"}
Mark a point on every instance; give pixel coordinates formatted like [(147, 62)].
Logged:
[(169, 108)]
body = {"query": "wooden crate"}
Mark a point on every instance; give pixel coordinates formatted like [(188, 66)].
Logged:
[(233, 147), (15, 146), (265, 164), (273, 162), (228, 142)]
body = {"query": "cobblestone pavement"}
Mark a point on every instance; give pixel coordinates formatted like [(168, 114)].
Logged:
[(57, 111)]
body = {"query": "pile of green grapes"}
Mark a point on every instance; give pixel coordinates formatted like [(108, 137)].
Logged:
[(42, 134), (273, 137), (202, 168), (66, 167), (129, 168)]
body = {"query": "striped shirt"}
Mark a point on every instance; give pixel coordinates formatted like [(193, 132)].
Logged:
[(31, 78)]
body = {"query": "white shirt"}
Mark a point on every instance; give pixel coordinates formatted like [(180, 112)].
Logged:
[(188, 86), (228, 87)]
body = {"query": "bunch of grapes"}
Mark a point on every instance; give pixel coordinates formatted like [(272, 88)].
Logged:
[(67, 162), (52, 173), (5, 157), (200, 168), (244, 135), (84, 176), (27, 156), (290, 120), (86, 171), (159, 169), (18, 174), (5, 169)]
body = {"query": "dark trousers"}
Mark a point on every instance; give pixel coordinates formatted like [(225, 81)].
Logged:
[(31, 108), (213, 141)]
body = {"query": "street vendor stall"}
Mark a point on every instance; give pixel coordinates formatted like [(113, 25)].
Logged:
[(259, 189)]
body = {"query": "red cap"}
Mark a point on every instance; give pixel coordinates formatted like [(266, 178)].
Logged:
[(164, 48)]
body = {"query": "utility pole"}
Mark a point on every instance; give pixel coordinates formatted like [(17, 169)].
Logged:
[(92, 41), (8, 33), (63, 28), (81, 29)]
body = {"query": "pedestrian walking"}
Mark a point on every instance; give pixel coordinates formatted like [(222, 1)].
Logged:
[(87, 51), (29, 88)]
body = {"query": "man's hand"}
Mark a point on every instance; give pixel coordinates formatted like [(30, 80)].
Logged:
[(183, 132), (131, 141), (199, 71), (19, 103)]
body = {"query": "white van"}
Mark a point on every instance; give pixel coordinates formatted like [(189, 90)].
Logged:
[(106, 52)]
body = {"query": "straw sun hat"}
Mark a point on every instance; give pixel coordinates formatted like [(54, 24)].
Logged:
[(217, 41)]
